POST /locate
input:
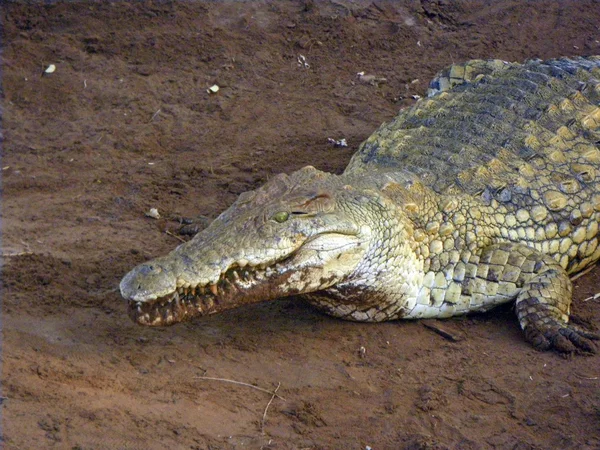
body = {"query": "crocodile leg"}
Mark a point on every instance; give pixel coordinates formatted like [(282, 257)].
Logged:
[(543, 295), (543, 309)]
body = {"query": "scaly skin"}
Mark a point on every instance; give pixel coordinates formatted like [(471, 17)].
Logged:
[(483, 193)]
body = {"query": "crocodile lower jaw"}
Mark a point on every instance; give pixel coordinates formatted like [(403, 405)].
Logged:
[(177, 307), (189, 302)]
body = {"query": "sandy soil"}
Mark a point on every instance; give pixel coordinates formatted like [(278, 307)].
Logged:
[(125, 124)]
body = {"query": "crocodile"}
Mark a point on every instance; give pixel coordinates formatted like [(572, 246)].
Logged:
[(484, 192)]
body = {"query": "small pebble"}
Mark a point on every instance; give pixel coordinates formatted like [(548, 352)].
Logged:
[(153, 213)]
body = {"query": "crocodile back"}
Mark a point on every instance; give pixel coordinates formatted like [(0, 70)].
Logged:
[(521, 140), (494, 125)]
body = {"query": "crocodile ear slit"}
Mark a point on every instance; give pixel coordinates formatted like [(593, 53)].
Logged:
[(318, 202)]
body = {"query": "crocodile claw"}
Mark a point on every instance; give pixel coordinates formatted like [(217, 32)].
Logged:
[(564, 338)]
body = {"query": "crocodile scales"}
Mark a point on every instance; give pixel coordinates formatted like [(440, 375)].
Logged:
[(486, 191)]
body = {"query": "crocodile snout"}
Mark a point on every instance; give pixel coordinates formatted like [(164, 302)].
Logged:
[(147, 282)]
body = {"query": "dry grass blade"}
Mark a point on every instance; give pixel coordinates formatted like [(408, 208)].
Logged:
[(264, 417), (175, 236), (155, 114), (241, 383)]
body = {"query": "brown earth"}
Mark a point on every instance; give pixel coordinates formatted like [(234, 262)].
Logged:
[(125, 124)]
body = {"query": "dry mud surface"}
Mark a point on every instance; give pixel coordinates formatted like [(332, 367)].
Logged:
[(125, 124)]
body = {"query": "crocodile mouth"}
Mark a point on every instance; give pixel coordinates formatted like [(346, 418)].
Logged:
[(321, 262), (245, 285)]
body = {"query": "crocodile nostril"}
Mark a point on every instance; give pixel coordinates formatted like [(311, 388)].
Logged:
[(150, 269)]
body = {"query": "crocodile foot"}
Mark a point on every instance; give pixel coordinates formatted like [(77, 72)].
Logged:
[(562, 337), (192, 226)]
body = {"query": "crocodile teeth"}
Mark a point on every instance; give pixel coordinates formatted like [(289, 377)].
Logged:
[(214, 289)]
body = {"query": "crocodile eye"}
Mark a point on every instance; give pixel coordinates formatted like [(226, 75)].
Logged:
[(281, 216)]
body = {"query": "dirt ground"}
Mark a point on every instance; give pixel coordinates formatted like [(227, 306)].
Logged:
[(125, 124)]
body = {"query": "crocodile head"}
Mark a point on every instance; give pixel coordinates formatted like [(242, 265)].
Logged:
[(296, 234)]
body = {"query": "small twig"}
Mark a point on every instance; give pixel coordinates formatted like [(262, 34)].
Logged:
[(582, 273), (586, 378), (242, 384), (436, 328), (175, 236), (311, 41), (10, 254), (13, 254), (351, 89), (262, 423), (155, 114), (593, 297)]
